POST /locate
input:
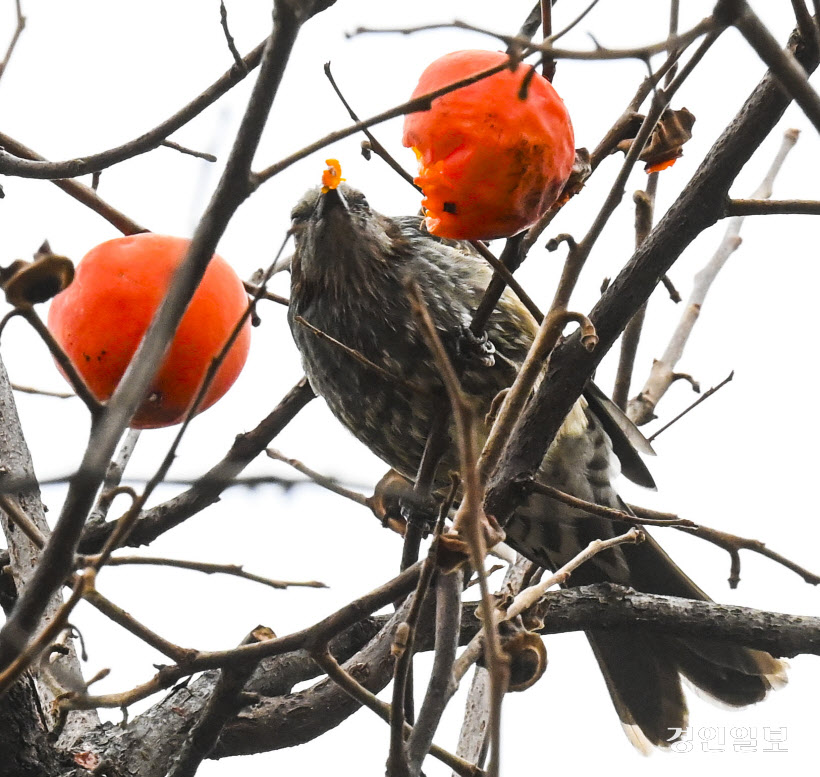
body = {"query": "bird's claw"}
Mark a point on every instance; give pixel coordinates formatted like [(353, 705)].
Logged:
[(474, 348)]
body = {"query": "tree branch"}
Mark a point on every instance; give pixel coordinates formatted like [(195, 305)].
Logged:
[(698, 207), (232, 190)]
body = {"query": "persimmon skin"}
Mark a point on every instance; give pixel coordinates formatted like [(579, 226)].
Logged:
[(100, 319), (490, 164)]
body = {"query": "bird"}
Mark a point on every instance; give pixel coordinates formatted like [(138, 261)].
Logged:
[(373, 368)]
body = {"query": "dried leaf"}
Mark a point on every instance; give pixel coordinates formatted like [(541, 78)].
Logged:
[(27, 283), (666, 142), (581, 170)]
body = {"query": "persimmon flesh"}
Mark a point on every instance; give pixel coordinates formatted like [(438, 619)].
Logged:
[(100, 319)]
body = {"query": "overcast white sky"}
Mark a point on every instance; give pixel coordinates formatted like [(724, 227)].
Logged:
[(90, 74)]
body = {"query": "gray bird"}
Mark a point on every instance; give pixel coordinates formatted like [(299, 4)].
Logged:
[(348, 280)]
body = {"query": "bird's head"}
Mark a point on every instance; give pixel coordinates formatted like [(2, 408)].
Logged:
[(339, 238)]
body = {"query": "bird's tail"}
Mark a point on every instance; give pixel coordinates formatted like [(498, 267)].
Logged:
[(642, 669)]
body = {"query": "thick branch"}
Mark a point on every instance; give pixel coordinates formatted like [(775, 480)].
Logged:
[(697, 208), (611, 606), (789, 71), (231, 192)]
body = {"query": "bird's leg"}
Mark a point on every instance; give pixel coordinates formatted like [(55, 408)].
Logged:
[(419, 509)]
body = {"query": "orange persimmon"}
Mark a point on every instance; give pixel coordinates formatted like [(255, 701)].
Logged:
[(490, 163), (100, 319)]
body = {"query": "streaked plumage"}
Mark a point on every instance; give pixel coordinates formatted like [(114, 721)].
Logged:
[(348, 274)]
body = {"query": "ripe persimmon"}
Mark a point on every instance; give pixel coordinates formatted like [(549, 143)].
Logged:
[(100, 319), (493, 157)]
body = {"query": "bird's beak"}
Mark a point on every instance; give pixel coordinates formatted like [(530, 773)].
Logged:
[(330, 201)]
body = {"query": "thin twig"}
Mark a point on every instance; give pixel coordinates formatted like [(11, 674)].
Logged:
[(573, 24), (530, 596), (26, 166), (470, 520), (252, 289), (42, 392), (375, 145), (128, 622), (113, 476), (505, 274), (331, 484), (236, 570), (18, 30), (420, 103), (397, 760), (644, 209), (360, 357), (345, 681), (11, 507), (67, 367), (772, 207), (610, 513), (526, 46), (188, 151), (691, 407), (547, 62), (319, 633), (732, 544), (80, 192), (238, 62)]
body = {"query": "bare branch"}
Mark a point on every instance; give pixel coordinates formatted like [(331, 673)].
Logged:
[(421, 103), (375, 145), (780, 62), (42, 392), (691, 407), (38, 168), (80, 192), (526, 46), (641, 409), (239, 63), (18, 30), (225, 702), (772, 207), (233, 188), (186, 151), (317, 634), (696, 208), (208, 568), (448, 622)]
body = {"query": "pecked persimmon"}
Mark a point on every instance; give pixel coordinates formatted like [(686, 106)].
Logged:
[(100, 319), (491, 160)]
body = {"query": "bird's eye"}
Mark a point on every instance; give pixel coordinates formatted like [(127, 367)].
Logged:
[(358, 201), (304, 208), (299, 214)]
